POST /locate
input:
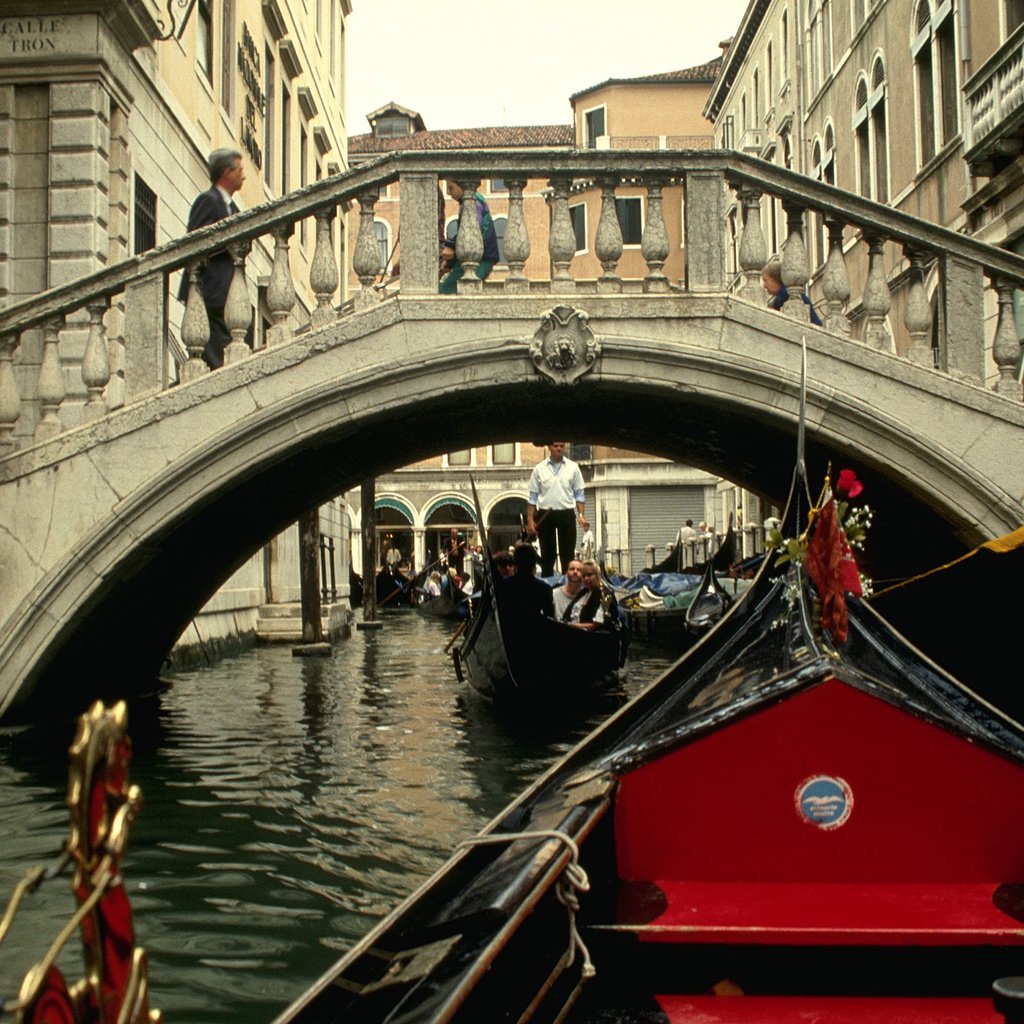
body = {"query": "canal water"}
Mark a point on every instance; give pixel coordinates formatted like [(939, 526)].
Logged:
[(289, 804)]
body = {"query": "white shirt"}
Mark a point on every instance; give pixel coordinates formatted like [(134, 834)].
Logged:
[(556, 485)]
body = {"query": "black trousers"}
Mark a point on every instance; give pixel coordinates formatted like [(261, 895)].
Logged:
[(556, 530), (220, 336)]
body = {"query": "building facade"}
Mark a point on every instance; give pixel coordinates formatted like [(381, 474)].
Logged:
[(107, 113), (906, 102)]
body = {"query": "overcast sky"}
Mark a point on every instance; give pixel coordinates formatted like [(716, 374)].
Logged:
[(527, 56)]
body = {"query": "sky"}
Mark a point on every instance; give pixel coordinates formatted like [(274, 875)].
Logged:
[(526, 57)]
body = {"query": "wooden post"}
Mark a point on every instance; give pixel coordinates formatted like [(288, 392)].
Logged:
[(367, 494), (309, 576)]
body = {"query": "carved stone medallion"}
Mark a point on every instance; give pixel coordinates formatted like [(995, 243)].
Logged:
[(564, 347)]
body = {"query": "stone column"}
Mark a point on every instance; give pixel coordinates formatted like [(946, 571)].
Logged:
[(517, 238), (10, 399), (281, 289), (366, 258), (237, 309), (50, 388), (705, 232), (418, 231), (918, 314), (469, 242), (195, 327), (562, 241), (96, 363), (654, 241), (1006, 345), (795, 270), (835, 283), (323, 270), (753, 254), (608, 241), (877, 300)]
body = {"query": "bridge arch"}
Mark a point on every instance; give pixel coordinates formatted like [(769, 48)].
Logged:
[(709, 381)]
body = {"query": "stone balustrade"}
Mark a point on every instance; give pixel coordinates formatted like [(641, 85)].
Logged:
[(888, 249), (994, 108)]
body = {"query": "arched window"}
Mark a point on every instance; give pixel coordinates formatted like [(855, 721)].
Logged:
[(871, 136), (935, 64), (824, 159), (755, 93), (879, 131), (813, 46)]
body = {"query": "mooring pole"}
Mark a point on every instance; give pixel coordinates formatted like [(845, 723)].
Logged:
[(309, 583), (367, 499)]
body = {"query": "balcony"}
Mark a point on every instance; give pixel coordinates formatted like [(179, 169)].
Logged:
[(994, 102), (752, 141)]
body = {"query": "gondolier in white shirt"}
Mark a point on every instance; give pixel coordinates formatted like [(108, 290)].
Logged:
[(556, 504)]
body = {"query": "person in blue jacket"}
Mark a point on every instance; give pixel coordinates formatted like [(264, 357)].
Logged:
[(449, 261), (778, 294)]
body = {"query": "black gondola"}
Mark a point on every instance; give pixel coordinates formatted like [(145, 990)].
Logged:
[(533, 662), (451, 603)]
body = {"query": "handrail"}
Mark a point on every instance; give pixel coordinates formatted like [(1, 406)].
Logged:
[(739, 170)]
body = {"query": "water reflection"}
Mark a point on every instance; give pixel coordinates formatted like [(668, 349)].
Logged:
[(289, 804)]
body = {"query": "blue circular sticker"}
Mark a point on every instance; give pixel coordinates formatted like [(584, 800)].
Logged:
[(824, 801)]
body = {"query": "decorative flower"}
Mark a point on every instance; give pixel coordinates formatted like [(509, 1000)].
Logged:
[(848, 486), (826, 548)]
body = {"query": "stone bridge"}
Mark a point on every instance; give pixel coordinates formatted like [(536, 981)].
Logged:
[(117, 530)]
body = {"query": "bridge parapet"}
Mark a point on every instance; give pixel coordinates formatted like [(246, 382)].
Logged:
[(874, 253)]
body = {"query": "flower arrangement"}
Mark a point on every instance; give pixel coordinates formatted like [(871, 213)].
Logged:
[(835, 529)]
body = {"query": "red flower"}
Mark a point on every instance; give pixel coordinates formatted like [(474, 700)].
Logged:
[(848, 486), (832, 568)]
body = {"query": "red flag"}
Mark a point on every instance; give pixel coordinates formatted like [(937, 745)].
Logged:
[(832, 568)]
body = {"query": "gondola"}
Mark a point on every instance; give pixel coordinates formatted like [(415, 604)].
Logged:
[(804, 819), (451, 603), (721, 559), (536, 663), (393, 589)]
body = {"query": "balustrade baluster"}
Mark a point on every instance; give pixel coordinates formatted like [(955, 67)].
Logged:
[(608, 241), (1006, 347), (918, 315), (877, 300), (195, 327), (753, 254), (366, 258), (96, 363), (237, 310), (323, 270), (654, 241), (50, 388), (795, 269), (10, 399), (835, 283), (281, 289), (469, 243), (562, 241), (517, 238)]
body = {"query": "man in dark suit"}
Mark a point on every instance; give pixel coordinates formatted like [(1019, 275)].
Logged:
[(216, 203)]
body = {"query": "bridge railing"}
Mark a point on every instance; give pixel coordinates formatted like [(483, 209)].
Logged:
[(893, 252)]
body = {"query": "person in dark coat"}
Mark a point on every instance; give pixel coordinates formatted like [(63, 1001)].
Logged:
[(216, 203), (524, 595), (778, 293)]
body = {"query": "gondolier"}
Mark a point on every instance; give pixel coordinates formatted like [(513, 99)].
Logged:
[(556, 504)]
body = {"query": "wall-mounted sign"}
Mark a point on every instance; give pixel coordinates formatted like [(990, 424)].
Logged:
[(30, 35), (255, 99)]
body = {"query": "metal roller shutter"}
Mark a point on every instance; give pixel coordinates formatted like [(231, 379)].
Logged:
[(655, 515)]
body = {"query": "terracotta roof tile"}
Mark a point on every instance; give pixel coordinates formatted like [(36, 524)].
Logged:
[(499, 137), (700, 73)]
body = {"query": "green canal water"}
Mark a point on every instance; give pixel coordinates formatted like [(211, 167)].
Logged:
[(289, 804)]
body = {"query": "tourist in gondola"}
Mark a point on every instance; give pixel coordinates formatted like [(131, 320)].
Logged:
[(599, 609), (571, 593), (523, 595)]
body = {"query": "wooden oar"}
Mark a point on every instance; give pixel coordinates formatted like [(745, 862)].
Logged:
[(455, 635)]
